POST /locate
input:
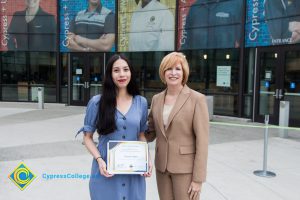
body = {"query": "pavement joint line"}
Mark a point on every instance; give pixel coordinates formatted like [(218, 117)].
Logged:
[(218, 191), (255, 126)]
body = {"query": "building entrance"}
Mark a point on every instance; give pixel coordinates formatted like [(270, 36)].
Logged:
[(86, 77), (278, 79)]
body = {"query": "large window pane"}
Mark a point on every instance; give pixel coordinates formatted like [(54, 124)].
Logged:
[(207, 68), (23, 72), (14, 76), (42, 72)]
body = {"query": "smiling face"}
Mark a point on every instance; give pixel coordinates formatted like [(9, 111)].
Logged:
[(174, 75), (32, 3), (121, 73)]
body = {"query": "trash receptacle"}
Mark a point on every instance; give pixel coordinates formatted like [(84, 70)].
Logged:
[(40, 97), (284, 115)]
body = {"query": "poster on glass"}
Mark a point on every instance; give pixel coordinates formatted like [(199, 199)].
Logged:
[(87, 25), (208, 24), (28, 25), (146, 25)]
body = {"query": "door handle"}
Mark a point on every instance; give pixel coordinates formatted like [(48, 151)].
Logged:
[(276, 94), (280, 95), (87, 85)]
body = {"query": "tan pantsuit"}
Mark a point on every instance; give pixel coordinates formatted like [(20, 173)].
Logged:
[(182, 145)]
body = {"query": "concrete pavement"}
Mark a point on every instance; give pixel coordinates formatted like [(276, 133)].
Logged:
[(44, 141)]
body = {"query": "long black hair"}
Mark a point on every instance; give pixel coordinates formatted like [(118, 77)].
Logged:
[(107, 107)]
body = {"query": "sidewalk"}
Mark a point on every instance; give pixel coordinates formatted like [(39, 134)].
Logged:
[(44, 141)]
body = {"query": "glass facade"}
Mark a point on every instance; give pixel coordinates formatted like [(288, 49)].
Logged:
[(64, 48), (23, 72)]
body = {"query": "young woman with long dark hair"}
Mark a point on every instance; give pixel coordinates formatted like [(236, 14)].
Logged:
[(120, 113)]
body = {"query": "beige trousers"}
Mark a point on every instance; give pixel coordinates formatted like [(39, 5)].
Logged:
[(173, 186)]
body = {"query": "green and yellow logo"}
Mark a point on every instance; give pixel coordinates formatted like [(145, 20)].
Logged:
[(22, 176)]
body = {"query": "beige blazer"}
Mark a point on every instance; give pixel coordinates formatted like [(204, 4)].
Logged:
[(181, 146)]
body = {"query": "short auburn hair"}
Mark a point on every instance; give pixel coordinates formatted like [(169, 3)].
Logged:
[(171, 60)]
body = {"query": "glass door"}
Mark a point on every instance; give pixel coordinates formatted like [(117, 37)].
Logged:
[(292, 85), (86, 77), (269, 84), (95, 76)]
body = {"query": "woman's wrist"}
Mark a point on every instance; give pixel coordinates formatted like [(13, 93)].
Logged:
[(98, 158)]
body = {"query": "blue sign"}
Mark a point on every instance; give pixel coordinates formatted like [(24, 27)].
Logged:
[(78, 78), (267, 84), (256, 30), (292, 85), (267, 22), (96, 79)]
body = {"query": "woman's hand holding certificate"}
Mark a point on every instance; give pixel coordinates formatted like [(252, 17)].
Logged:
[(127, 157)]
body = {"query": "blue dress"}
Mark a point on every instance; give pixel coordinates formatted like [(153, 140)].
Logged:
[(118, 187)]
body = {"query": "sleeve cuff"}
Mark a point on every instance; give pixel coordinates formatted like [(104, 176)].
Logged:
[(86, 129)]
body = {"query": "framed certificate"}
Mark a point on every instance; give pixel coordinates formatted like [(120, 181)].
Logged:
[(127, 157)]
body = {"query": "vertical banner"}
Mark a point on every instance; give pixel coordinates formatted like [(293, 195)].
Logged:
[(184, 7), (87, 25), (256, 29), (146, 25), (272, 22), (207, 24), (28, 25)]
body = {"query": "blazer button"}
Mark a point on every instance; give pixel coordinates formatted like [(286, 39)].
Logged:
[(124, 127), (124, 118), (123, 136)]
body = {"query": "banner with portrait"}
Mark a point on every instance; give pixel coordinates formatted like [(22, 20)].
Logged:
[(272, 22), (87, 25), (146, 25), (208, 24), (28, 25)]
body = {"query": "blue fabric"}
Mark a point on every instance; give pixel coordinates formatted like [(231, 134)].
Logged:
[(118, 187)]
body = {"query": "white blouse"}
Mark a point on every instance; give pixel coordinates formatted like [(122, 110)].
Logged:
[(166, 113)]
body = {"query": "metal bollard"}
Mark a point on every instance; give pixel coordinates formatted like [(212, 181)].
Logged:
[(264, 172), (40, 97), (284, 114)]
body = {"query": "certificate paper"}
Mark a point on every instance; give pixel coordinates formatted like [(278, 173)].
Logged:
[(127, 157)]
